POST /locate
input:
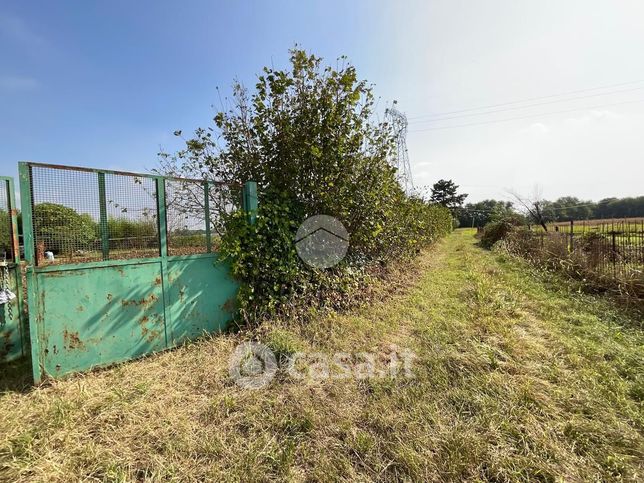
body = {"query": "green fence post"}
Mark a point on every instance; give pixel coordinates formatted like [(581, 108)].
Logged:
[(163, 246), (102, 201), (249, 201), (206, 205), (33, 304), (163, 221)]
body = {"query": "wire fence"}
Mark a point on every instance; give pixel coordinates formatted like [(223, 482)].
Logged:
[(613, 249), (84, 215), (188, 230), (132, 216), (601, 226)]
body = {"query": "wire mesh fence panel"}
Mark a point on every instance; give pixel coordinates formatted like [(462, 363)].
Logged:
[(186, 217), (84, 215), (6, 245), (223, 199), (132, 216), (65, 210)]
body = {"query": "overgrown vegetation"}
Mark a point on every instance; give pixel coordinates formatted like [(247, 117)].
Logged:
[(5, 233), (307, 136), (602, 261), (599, 264), (497, 230), (518, 377), (483, 212), (62, 230)]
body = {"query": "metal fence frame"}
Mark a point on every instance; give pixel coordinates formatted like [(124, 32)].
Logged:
[(34, 272)]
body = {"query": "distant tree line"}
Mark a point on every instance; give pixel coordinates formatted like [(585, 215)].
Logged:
[(484, 212), (563, 209), (569, 207)]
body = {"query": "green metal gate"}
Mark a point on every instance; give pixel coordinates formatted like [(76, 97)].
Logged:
[(13, 327), (119, 265)]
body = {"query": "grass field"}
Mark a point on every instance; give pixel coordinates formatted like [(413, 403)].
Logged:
[(604, 225), (517, 377)]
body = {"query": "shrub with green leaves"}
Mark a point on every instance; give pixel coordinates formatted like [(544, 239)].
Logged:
[(498, 230), (308, 137), (123, 231), (63, 229)]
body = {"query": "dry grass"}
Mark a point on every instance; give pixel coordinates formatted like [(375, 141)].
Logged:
[(516, 379)]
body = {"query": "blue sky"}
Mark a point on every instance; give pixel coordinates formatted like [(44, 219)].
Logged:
[(105, 84)]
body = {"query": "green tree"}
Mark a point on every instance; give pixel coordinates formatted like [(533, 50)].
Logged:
[(568, 208), (307, 136), (483, 212), (445, 192), (63, 229)]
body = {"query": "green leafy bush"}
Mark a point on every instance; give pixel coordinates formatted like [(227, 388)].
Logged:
[(63, 229), (308, 138), (498, 230), (125, 233)]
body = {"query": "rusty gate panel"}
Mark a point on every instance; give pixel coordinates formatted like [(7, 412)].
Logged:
[(99, 315), (119, 265)]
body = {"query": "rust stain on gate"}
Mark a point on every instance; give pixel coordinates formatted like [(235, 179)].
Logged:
[(130, 270)]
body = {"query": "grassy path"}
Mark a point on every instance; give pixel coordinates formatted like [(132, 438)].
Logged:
[(516, 378)]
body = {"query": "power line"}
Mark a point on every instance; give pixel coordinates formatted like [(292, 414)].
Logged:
[(578, 91), (528, 105), (526, 117)]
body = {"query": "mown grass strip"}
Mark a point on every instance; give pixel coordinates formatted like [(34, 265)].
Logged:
[(517, 378)]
